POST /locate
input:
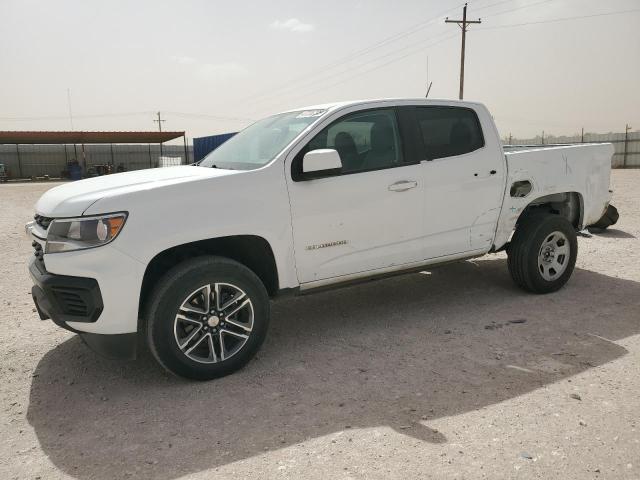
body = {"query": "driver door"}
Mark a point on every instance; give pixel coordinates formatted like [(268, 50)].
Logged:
[(364, 218)]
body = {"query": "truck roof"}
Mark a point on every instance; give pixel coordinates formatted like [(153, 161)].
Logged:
[(349, 103)]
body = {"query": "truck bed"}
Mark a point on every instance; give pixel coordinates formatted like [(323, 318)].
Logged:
[(557, 169)]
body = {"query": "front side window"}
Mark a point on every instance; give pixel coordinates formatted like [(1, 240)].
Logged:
[(448, 131), (258, 144), (367, 140)]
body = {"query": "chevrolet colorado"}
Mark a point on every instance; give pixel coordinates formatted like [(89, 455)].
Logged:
[(187, 258)]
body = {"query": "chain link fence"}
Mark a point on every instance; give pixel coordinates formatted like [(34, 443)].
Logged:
[(27, 161)]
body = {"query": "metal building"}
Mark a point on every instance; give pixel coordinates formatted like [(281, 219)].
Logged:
[(28, 154)]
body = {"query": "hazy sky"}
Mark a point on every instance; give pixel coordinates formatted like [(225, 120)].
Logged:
[(212, 66)]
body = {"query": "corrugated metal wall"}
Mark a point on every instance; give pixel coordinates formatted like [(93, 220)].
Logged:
[(39, 160), (617, 139)]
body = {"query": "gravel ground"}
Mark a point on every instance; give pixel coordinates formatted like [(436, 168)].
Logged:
[(454, 374)]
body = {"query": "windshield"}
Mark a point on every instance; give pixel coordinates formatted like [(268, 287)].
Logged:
[(258, 144)]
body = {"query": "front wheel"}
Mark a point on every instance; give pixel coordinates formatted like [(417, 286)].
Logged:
[(207, 318), (542, 253)]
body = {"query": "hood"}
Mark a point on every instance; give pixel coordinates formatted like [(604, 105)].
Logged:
[(73, 198)]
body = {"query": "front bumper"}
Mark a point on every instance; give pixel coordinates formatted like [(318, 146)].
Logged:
[(64, 298), (118, 275)]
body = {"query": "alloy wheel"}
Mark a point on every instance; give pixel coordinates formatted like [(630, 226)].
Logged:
[(213, 323)]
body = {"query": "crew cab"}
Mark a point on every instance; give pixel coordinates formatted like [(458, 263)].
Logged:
[(187, 258)]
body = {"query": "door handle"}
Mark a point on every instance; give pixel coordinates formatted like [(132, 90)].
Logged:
[(403, 186)]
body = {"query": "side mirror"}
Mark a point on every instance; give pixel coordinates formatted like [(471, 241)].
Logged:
[(321, 163)]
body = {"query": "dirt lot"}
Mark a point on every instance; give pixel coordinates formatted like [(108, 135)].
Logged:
[(455, 374)]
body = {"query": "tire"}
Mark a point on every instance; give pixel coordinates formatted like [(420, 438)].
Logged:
[(609, 218), (537, 255), (181, 336)]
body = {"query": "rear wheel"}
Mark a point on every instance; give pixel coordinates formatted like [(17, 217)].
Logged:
[(207, 317), (542, 253)]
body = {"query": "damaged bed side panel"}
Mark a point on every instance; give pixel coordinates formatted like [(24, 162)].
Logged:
[(574, 177)]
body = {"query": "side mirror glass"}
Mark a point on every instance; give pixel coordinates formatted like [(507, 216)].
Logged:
[(320, 163)]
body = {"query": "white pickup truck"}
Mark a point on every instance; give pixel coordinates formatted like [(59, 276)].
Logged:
[(186, 258)]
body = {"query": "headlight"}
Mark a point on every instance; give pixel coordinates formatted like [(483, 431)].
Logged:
[(67, 234)]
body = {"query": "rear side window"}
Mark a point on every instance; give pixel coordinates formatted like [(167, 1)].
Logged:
[(448, 131)]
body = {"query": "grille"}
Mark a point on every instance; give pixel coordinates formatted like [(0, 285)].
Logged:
[(71, 300), (42, 221)]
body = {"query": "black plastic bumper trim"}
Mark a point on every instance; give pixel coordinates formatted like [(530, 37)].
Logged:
[(64, 298)]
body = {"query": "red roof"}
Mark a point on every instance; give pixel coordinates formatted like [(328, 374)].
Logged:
[(87, 137)]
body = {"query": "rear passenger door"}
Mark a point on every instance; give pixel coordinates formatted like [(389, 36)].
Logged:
[(462, 177)]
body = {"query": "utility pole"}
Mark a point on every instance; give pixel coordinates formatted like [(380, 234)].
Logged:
[(160, 120), (463, 26), (626, 142)]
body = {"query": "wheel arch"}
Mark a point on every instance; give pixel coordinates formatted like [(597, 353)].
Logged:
[(569, 205), (252, 251)]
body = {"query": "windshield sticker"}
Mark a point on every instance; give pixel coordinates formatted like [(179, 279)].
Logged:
[(310, 113)]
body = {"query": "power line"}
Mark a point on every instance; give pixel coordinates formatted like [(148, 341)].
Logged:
[(377, 67), (564, 19), (403, 49), (445, 39), (391, 39), (489, 6), (421, 49), (515, 9), (386, 41), (284, 89), (350, 69)]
